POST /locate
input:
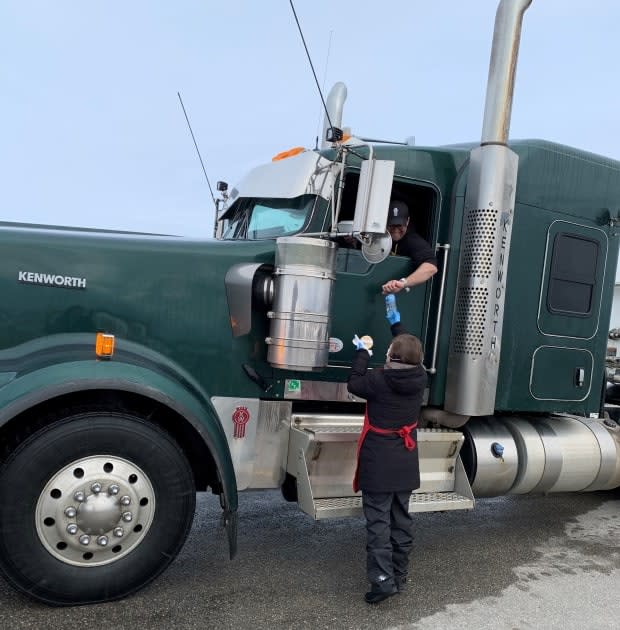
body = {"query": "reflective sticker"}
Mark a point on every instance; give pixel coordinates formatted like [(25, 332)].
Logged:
[(240, 417), (335, 344)]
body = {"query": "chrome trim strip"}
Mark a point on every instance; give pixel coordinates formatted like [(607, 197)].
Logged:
[(446, 250)]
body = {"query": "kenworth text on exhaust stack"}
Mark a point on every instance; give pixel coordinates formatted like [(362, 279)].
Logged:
[(136, 369)]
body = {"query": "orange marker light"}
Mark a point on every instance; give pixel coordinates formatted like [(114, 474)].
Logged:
[(104, 345), (287, 154)]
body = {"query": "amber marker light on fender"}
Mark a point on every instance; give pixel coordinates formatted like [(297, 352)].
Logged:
[(104, 346)]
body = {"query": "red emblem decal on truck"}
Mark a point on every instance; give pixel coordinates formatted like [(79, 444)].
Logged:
[(240, 418)]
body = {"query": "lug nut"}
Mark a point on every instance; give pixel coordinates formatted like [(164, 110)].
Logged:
[(102, 541), (125, 500), (79, 496), (118, 532), (113, 489), (72, 529), (84, 539), (127, 517), (96, 487), (70, 512)]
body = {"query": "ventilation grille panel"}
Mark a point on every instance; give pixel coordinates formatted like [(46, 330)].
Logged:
[(469, 324), (479, 242)]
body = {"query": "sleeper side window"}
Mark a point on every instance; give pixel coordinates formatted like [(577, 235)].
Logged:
[(572, 277)]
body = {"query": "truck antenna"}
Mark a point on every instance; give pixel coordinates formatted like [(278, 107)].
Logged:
[(204, 170), (311, 66), (329, 47)]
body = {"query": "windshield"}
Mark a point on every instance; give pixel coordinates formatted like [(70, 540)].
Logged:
[(256, 219)]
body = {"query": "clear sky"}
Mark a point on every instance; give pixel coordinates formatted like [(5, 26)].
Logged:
[(93, 133)]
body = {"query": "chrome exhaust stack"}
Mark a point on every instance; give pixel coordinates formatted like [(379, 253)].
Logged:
[(502, 70), (335, 104), (476, 335)]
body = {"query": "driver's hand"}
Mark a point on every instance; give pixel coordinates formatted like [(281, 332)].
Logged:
[(393, 286)]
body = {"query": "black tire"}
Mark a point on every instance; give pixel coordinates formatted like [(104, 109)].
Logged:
[(91, 437)]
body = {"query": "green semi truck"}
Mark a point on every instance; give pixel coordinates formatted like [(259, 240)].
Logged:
[(137, 369)]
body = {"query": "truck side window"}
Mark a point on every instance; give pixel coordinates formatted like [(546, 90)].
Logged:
[(572, 276), (420, 199)]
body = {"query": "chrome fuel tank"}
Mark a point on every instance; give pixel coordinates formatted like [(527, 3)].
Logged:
[(517, 455)]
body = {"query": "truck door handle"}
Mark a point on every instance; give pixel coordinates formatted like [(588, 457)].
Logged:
[(580, 375)]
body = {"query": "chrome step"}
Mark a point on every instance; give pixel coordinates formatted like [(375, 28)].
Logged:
[(434, 495), (347, 428), (322, 457), (340, 433), (334, 433), (419, 502), (330, 452)]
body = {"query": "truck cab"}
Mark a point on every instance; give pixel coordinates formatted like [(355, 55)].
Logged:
[(557, 286)]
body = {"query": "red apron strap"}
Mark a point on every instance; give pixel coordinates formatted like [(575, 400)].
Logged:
[(404, 432), (360, 441)]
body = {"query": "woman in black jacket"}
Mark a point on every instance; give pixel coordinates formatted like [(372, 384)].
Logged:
[(388, 469)]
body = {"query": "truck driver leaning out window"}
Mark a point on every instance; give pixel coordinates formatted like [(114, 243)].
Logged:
[(407, 242)]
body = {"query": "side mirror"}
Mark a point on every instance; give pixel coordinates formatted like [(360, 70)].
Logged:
[(373, 196)]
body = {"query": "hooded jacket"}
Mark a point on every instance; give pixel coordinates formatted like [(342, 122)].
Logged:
[(393, 399)]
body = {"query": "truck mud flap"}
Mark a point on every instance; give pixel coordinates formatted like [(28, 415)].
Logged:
[(229, 522)]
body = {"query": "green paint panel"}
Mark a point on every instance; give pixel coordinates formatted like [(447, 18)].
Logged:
[(359, 307), (560, 190), (561, 374)]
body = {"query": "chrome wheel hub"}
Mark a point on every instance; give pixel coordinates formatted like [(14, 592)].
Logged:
[(95, 510), (98, 514)]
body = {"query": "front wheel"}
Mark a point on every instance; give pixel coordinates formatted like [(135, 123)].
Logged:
[(92, 508)]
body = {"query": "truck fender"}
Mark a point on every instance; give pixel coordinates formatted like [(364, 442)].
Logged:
[(23, 391)]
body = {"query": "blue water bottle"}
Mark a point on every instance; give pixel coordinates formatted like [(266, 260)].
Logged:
[(391, 312)]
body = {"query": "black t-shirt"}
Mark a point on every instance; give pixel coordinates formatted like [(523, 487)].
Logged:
[(414, 246)]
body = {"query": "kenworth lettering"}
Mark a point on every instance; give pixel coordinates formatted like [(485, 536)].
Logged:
[(48, 279)]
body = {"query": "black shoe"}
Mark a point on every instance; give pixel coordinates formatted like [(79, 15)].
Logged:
[(401, 583), (376, 596)]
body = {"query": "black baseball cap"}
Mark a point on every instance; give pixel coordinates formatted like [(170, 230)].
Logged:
[(398, 213)]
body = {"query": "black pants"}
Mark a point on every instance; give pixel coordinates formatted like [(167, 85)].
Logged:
[(389, 537)]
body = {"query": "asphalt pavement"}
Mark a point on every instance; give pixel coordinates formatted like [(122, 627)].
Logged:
[(515, 562)]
